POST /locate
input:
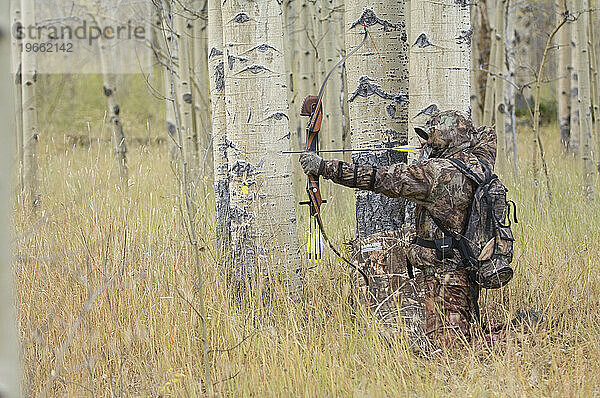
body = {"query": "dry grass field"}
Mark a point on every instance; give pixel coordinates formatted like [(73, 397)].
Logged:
[(106, 298)]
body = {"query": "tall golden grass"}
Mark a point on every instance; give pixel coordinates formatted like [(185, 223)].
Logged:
[(105, 289)]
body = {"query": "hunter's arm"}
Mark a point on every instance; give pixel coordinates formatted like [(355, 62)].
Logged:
[(399, 180)]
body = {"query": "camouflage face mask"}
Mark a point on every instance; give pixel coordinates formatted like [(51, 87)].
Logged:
[(447, 133)]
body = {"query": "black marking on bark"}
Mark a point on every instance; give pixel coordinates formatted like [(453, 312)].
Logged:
[(430, 110), (187, 98), (501, 109), (368, 18), (107, 91), (278, 116), (394, 138), (263, 48), (255, 69), (219, 76), (239, 215), (423, 41), (116, 110), (241, 18), (465, 36), (232, 58), (391, 110), (366, 89), (214, 52), (249, 116), (171, 128), (242, 168), (462, 3), (19, 75)]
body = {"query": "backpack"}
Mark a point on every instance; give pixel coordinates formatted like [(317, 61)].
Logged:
[(486, 243)]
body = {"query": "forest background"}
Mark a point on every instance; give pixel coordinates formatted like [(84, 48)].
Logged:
[(125, 283)]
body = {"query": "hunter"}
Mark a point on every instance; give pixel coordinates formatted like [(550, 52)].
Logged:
[(443, 195)]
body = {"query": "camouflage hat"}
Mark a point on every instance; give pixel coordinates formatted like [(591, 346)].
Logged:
[(447, 132)]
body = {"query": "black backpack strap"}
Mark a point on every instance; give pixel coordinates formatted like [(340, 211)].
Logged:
[(460, 165)]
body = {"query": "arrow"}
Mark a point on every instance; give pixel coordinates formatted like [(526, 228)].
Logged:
[(403, 148)]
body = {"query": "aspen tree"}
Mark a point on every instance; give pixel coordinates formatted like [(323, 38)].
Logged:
[(15, 13), (332, 50), (490, 84), (377, 79), (220, 144), (574, 136), (480, 56), (202, 107), (500, 59), (110, 90), (30, 120), (185, 98), (510, 91), (291, 37), (563, 85), (10, 370), (440, 50), (166, 42), (594, 76), (263, 222), (585, 106)]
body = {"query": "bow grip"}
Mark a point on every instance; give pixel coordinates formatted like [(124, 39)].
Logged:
[(309, 109)]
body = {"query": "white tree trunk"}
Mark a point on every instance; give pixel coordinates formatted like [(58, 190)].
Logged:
[(440, 59), (216, 73), (110, 89), (166, 42), (185, 98), (378, 107), (202, 107), (574, 136), (585, 105), (563, 73), (15, 13), (30, 122), (510, 92), (594, 76), (263, 222), (10, 370), (499, 68), (332, 50)]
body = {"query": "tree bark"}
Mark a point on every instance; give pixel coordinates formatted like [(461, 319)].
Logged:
[(509, 98), (563, 73), (110, 89), (332, 50), (594, 76), (30, 120), (481, 56), (500, 59), (440, 59), (585, 105), (219, 124), (10, 370), (377, 79), (263, 222), (574, 136), (15, 13), (185, 98), (202, 106)]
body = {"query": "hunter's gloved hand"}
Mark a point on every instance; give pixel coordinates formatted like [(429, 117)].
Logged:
[(311, 163)]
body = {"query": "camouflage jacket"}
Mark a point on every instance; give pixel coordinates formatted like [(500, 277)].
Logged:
[(437, 187)]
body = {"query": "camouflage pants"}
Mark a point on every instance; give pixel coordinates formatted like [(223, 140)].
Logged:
[(449, 308), (432, 309)]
